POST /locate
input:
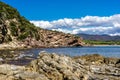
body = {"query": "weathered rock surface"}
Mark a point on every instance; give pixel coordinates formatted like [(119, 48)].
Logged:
[(59, 39), (47, 39), (59, 67), (12, 72)]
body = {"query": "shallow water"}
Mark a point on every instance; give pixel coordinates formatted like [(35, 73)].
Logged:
[(23, 57), (108, 51)]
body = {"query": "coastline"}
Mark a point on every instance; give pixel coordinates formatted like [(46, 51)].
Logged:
[(99, 45), (16, 45), (105, 45)]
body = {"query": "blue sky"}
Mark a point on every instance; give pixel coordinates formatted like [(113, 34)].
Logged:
[(72, 16), (58, 9)]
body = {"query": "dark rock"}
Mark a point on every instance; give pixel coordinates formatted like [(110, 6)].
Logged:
[(112, 60)]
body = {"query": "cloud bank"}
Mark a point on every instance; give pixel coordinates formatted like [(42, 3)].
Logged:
[(89, 25)]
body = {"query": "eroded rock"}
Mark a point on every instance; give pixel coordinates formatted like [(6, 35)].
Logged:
[(59, 67)]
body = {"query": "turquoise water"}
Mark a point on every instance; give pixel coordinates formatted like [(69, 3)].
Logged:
[(108, 51)]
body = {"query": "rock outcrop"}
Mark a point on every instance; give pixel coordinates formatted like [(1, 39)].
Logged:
[(12, 72), (59, 67), (59, 39)]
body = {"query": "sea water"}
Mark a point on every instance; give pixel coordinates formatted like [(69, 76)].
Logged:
[(108, 51)]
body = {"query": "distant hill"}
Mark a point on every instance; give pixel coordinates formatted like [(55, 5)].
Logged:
[(99, 37)]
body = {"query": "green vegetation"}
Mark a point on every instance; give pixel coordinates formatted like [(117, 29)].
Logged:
[(27, 29), (14, 30), (8, 11), (94, 42), (19, 26)]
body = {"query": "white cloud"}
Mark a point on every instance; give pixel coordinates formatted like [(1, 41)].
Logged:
[(88, 24), (43, 24), (93, 30), (115, 34), (62, 30)]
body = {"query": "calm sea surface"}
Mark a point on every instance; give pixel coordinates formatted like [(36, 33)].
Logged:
[(108, 51)]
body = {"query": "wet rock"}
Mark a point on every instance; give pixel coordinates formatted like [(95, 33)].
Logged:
[(118, 65), (16, 57), (24, 56), (112, 60), (91, 59)]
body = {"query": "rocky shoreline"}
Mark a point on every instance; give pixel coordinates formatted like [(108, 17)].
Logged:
[(18, 33), (60, 67)]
